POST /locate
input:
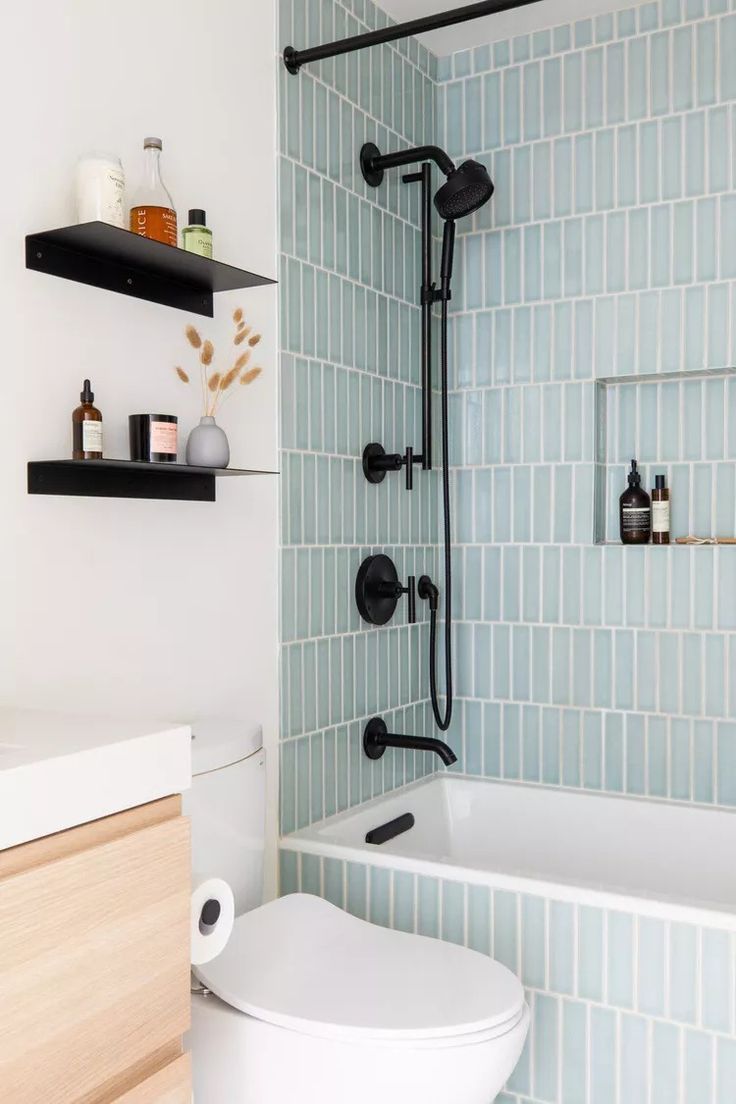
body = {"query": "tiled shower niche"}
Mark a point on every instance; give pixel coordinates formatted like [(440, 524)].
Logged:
[(682, 425)]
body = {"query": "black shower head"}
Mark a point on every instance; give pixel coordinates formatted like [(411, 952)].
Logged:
[(466, 189)]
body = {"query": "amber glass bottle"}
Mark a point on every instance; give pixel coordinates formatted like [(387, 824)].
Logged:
[(153, 214), (660, 512), (87, 427)]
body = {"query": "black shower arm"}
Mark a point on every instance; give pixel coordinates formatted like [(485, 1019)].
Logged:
[(412, 156)]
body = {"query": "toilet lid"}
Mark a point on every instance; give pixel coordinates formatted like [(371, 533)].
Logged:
[(301, 963)]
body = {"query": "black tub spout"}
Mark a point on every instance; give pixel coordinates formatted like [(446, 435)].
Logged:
[(376, 738)]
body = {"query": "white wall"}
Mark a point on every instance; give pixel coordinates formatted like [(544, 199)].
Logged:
[(156, 608)]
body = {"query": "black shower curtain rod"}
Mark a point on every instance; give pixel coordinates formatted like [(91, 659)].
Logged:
[(294, 59)]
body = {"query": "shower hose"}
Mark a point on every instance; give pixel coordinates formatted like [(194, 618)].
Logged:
[(443, 719)]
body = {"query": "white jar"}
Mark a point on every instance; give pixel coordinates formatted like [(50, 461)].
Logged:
[(100, 188)]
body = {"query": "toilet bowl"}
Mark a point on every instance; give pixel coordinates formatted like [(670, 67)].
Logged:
[(310, 1005)]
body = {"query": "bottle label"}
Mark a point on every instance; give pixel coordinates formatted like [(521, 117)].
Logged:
[(660, 517), (198, 241), (158, 223), (163, 437), (635, 519), (92, 436)]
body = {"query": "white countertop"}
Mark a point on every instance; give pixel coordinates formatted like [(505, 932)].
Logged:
[(58, 770)]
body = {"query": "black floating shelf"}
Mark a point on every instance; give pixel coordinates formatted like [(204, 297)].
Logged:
[(107, 257), (127, 479)]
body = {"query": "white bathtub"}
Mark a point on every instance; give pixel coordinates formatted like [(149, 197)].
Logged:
[(657, 859)]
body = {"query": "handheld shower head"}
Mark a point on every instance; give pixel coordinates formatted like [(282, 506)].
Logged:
[(466, 189)]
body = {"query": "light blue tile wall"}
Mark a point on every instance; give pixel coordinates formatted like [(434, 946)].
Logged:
[(624, 1005), (608, 254), (595, 305), (349, 375)]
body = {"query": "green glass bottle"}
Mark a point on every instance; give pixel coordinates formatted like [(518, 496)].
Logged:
[(197, 236)]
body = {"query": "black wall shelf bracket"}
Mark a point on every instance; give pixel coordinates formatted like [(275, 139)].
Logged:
[(294, 59), (107, 257), (128, 479)]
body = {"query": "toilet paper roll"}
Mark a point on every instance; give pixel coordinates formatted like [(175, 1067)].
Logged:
[(213, 916)]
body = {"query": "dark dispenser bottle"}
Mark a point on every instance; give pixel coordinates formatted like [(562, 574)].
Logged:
[(635, 511)]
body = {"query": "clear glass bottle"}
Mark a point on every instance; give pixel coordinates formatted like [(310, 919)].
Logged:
[(153, 214)]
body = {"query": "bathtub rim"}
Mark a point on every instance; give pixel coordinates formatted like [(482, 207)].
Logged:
[(701, 915)]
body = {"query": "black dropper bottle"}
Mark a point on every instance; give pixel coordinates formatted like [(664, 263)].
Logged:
[(635, 511)]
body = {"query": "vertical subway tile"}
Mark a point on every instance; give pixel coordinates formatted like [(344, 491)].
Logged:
[(574, 1052), (699, 1064), (634, 1061), (590, 953), (546, 1046), (665, 1063), (561, 947), (603, 1065), (683, 973)]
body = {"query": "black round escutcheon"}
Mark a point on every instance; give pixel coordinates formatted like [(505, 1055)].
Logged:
[(377, 590), (370, 453), (373, 735), (210, 913), (368, 155)]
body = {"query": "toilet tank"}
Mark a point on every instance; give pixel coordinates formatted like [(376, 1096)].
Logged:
[(227, 807)]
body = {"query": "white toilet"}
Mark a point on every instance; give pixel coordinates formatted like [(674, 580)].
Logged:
[(309, 1004)]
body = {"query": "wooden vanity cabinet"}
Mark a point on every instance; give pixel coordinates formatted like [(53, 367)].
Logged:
[(171, 1085), (94, 962)]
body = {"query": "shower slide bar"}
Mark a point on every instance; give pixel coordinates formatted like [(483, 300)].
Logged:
[(294, 59)]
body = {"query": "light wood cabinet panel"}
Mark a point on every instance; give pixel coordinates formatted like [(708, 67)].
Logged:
[(38, 852), (94, 958), (172, 1085)]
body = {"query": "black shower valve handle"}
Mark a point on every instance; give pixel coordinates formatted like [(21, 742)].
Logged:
[(409, 464), (376, 462), (378, 590), (395, 590), (410, 591)]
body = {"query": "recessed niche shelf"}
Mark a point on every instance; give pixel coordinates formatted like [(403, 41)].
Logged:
[(117, 260), (128, 479), (682, 424)]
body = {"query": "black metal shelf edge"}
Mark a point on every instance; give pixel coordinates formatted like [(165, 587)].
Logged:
[(128, 479), (117, 260)]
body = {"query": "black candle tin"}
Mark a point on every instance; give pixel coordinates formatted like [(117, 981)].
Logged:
[(153, 437)]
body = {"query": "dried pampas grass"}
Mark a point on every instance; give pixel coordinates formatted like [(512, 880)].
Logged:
[(217, 386)]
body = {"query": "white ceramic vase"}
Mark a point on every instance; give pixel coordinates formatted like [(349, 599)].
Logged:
[(208, 445)]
